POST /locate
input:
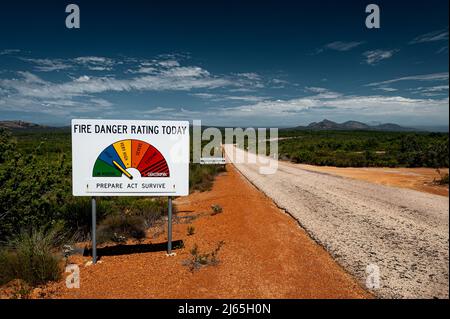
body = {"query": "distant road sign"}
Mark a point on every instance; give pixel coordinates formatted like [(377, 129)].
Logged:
[(212, 160), (130, 158)]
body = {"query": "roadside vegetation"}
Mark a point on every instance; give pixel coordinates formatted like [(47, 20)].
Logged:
[(200, 259), (364, 148), (36, 202), (201, 177), (32, 256), (443, 178)]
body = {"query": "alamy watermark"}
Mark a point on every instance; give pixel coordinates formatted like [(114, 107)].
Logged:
[(240, 145), (73, 279), (73, 19), (373, 19), (373, 276)]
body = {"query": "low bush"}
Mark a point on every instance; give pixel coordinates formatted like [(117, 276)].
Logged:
[(190, 230), (443, 178), (32, 256), (201, 177), (217, 209), (199, 259), (120, 227)]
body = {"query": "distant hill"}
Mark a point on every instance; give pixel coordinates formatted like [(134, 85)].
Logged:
[(353, 125), (23, 126), (16, 125)]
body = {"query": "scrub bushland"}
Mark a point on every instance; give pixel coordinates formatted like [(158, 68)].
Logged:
[(364, 148), (36, 195)]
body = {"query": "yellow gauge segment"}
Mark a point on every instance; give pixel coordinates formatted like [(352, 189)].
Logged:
[(123, 149)]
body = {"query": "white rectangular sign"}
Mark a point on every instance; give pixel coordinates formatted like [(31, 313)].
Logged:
[(130, 158), (213, 160)]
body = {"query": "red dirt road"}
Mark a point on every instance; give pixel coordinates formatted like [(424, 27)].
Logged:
[(265, 255)]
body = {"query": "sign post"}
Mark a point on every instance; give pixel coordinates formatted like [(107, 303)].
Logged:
[(169, 227), (94, 230), (130, 158)]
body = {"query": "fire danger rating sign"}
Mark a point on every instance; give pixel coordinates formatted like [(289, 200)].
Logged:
[(130, 158)]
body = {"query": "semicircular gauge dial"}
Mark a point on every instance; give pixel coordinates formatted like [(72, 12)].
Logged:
[(117, 158)]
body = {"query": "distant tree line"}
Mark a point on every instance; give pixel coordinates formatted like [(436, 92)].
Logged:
[(365, 149)]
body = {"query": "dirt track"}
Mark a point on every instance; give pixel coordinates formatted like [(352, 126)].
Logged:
[(403, 232), (265, 255)]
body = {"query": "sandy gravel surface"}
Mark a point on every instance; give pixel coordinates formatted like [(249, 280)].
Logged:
[(421, 179), (403, 232), (265, 255)]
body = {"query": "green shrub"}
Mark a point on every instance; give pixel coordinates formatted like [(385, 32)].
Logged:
[(149, 209), (31, 256), (216, 208), (199, 259), (120, 227), (201, 177), (77, 213), (443, 178), (190, 230)]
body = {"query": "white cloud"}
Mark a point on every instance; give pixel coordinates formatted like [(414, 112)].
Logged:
[(95, 63), (339, 46), (144, 69), (375, 107), (89, 62), (169, 63), (431, 91), (9, 51), (247, 98), (49, 65), (444, 49), (278, 83), (443, 76), (83, 78), (250, 76), (179, 79), (439, 35), (183, 72), (29, 92), (342, 46), (224, 97), (205, 95), (322, 93), (316, 89), (157, 110), (437, 88), (375, 56), (386, 89)]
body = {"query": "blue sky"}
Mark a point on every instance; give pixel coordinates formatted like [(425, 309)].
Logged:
[(225, 62)]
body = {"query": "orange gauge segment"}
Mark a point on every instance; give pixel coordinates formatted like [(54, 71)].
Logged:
[(138, 149)]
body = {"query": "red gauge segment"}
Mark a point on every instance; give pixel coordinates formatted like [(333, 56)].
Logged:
[(153, 164)]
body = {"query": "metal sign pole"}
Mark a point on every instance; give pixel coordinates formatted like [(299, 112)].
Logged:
[(94, 230), (169, 227)]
